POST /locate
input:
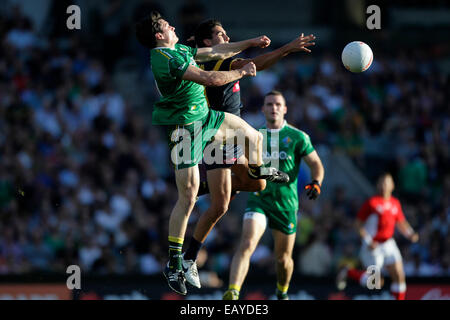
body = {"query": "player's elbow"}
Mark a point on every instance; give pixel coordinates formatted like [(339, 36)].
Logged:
[(204, 79)]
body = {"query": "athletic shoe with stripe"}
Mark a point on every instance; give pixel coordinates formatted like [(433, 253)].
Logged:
[(231, 294), (270, 174), (176, 280), (191, 273), (282, 296)]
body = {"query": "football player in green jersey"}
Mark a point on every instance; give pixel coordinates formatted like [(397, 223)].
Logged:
[(276, 205), (191, 124), (232, 174)]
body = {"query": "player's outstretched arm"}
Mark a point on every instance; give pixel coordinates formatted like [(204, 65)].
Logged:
[(266, 60), (217, 78), (227, 50), (407, 231)]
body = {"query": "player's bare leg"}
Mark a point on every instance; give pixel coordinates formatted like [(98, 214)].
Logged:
[(249, 170), (398, 281), (248, 138), (283, 247), (233, 129), (242, 182), (220, 194), (252, 231), (220, 199), (187, 181), (251, 141)]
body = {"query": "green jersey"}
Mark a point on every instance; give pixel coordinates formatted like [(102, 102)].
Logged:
[(182, 101), (287, 145)]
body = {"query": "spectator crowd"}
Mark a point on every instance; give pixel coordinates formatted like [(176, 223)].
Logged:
[(84, 178)]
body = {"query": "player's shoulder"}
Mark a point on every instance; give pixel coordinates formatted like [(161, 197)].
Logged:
[(182, 47), (374, 200), (161, 54), (168, 53), (293, 128), (296, 131), (395, 200)]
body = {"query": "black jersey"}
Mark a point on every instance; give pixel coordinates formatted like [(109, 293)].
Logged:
[(225, 98)]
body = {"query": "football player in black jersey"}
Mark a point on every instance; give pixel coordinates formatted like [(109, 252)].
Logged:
[(227, 98)]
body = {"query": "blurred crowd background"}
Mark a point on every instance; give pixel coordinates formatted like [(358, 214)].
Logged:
[(84, 176)]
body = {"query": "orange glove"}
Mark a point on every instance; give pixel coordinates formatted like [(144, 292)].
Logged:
[(313, 189)]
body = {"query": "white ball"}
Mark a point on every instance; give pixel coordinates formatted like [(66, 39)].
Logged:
[(357, 56)]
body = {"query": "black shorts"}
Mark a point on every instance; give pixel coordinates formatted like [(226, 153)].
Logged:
[(230, 156)]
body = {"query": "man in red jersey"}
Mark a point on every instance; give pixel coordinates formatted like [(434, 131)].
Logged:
[(376, 222)]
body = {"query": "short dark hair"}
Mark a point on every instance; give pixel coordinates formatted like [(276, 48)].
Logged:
[(274, 93), (205, 31), (147, 28)]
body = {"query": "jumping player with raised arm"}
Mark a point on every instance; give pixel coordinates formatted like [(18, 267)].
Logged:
[(230, 176), (376, 222), (277, 205), (191, 125)]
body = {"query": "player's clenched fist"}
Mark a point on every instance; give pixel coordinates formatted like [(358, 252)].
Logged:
[(249, 69), (313, 189), (261, 42)]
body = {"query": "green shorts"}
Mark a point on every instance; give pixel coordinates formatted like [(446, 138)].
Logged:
[(187, 142), (284, 221)]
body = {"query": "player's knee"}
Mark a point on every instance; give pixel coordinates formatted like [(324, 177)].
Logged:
[(255, 137), (247, 246), (284, 260), (220, 207), (188, 196)]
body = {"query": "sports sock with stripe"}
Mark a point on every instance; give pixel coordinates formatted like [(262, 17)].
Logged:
[(175, 246), (282, 289), (234, 287)]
